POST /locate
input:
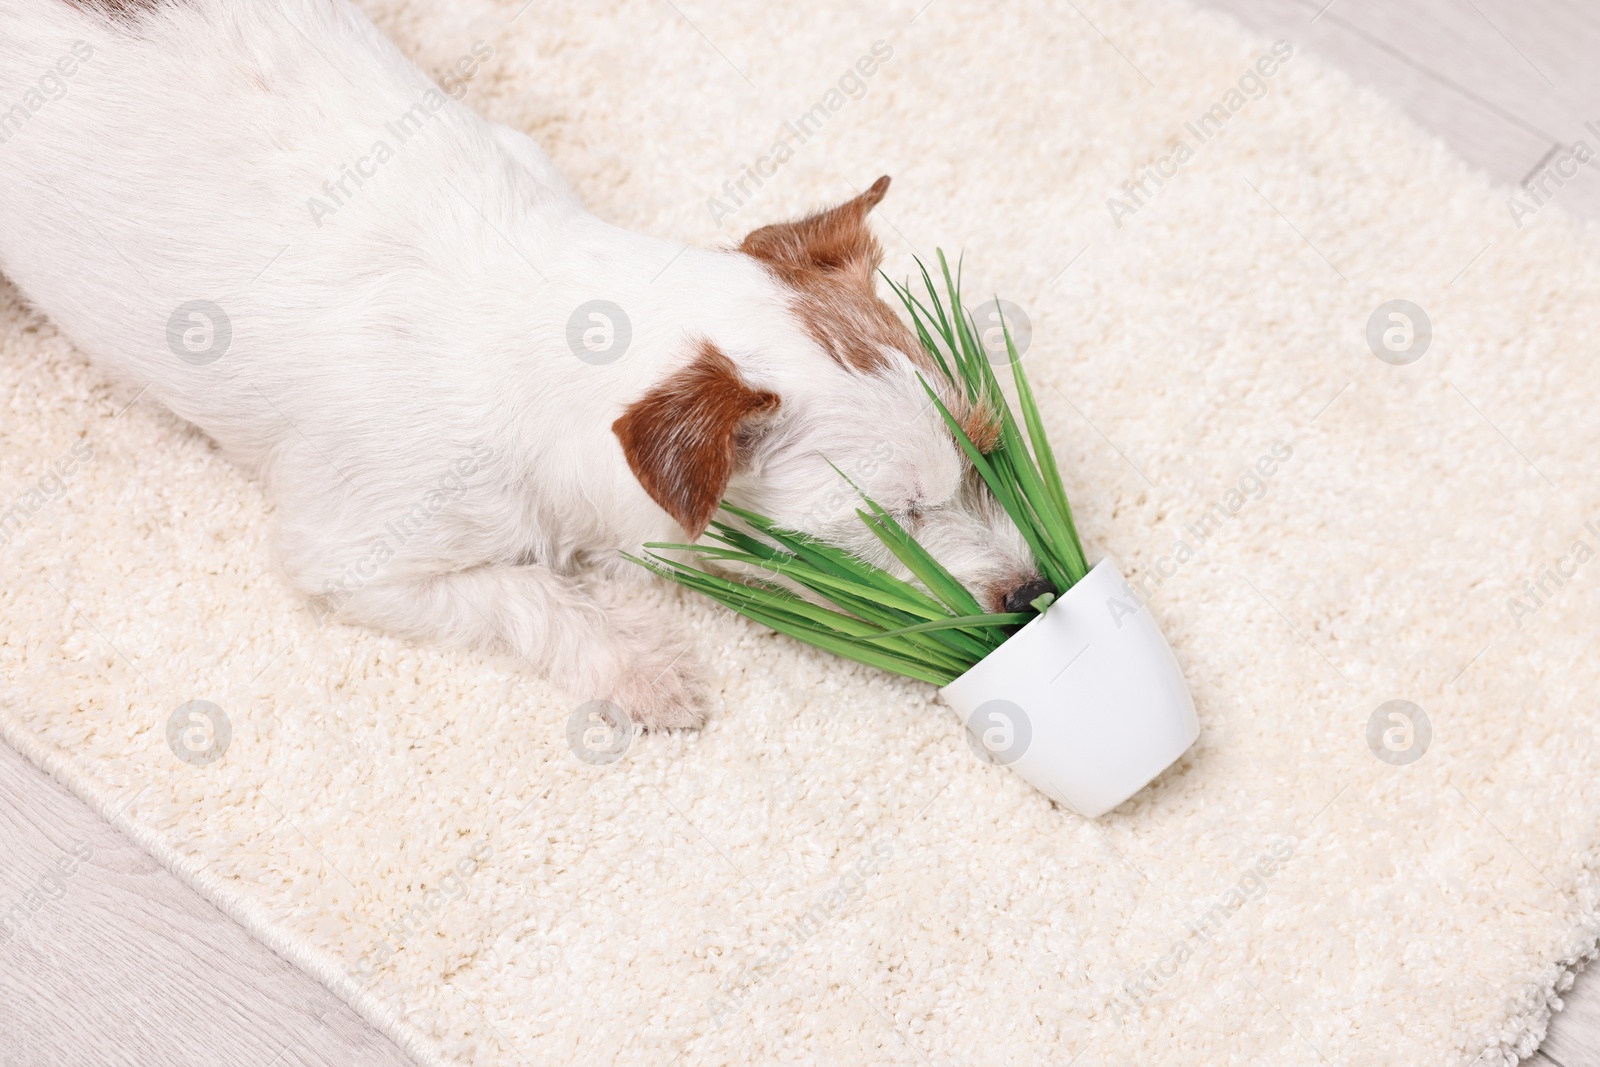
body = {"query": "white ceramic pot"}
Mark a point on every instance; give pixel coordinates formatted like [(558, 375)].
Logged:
[(1086, 702)]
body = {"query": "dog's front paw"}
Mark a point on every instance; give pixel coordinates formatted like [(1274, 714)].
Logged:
[(662, 689)]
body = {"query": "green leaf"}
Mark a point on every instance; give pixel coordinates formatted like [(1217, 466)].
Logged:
[(770, 611), (1069, 546), (1016, 618), (776, 602), (929, 571)]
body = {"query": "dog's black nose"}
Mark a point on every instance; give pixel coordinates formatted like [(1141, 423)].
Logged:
[(1026, 593)]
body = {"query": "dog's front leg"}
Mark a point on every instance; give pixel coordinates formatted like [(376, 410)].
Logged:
[(554, 623)]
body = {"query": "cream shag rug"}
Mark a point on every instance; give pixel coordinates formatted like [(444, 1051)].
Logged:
[(828, 873)]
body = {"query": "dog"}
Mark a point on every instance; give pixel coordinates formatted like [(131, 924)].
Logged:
[(466, 394)]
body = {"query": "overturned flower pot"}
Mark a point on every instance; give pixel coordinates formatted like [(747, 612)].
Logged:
[(1086, 702)]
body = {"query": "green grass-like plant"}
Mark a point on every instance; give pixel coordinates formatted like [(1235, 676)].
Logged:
[(934, 630)]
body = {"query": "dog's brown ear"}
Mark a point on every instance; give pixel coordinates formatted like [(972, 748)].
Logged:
[(836, 241), (682, 439)]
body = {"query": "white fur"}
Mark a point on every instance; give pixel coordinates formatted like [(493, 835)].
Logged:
[(401, 362)]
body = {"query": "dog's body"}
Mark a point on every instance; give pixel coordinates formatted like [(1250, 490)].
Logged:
[(392, 337)]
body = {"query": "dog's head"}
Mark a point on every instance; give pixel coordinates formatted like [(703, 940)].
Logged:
[(803, 387)]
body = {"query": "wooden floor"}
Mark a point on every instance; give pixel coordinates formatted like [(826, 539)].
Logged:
[(122, 963), (107, 958)]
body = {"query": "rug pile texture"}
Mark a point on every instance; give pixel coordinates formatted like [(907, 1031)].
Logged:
[(827, 873)]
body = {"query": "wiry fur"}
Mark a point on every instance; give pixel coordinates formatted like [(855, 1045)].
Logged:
[(399, 372)]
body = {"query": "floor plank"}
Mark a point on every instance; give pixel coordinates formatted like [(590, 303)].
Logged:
[(1508, 84), (107, 958), (1574, 1038)]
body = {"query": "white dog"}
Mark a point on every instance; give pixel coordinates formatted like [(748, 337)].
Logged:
[(466, 394)]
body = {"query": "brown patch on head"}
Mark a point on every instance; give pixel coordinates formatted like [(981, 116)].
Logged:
[(829, 260), (682, 439)]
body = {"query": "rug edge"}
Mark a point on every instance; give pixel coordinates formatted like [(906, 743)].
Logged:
[(1535, 1021), (296, 950)]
